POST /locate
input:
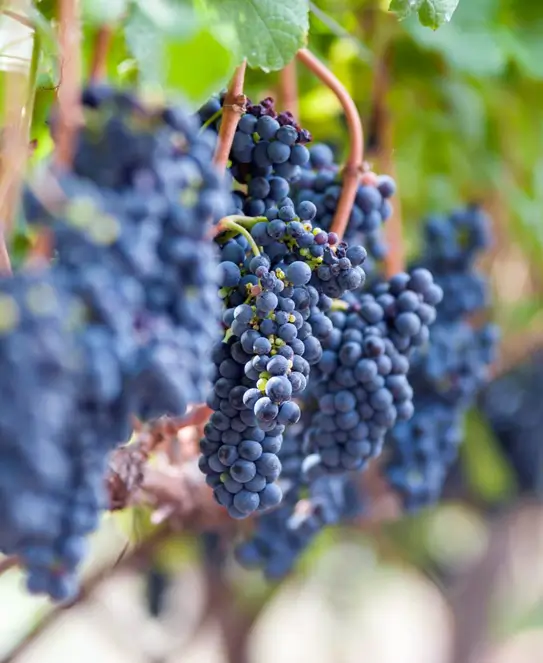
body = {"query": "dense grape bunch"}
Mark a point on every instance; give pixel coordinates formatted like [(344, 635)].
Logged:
[(128, 228), (409, 302), (449, 371), (320, 182), (446, 377), (452, 244), (269, 342), (239, 458), (283, 535), (139, 203), (41, 372), (511, 404), (267, 154), (363, 387)]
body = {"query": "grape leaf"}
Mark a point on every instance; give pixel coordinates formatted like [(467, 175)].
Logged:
[(268, 32), (432, 13), (215, 65), (100, 12), (404, 8), (164, 57)]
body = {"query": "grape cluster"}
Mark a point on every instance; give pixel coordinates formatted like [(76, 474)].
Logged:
[(269, 346), (282, 535), (320, 183), (511, 404), (451, 246), (408, 301), (41, 371), (363, 387), (139, 280), (268, 152), (448, 372)]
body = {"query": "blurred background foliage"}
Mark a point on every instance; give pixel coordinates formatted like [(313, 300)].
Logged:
[(461, 108)]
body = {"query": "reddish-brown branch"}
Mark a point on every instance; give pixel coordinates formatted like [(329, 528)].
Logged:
[(69, 92), (23, 20), (127, 464), (382, 128), (288, 87), (233, 107), (8, 563), (14, 154), (102, 42), (5, 263), (354, 163)]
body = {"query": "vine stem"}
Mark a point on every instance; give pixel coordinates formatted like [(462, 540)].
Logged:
[(19, 104), (69, 93), (382, 128), (354, 164), (8, 563), (233, 107), (288, 85), (209, 122), (230, 223), (102, 42)]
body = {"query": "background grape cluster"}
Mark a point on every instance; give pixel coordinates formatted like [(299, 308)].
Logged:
[(121, 323)]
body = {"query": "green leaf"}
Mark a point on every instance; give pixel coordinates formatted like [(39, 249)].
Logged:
[(144, 41), (169, 16), (432, 13), (191, 61), (470, 49), (213, 65), (100, 12), (268, 32), (487, 471), (404, 8)]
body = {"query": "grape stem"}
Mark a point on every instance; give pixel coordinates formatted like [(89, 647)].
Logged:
[(233, 108), (354, 164), (19, 100), (288, 86), (231, 223), (216, 115), (102, 42), (246, 221), (69, 93)]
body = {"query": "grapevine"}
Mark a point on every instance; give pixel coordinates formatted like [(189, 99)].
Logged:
[(216, 273)]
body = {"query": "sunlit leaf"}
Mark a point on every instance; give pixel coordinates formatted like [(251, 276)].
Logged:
[(432, 13), (268, 32)]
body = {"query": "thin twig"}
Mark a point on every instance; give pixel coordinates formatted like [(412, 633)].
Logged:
[(233, 107), (23, 20), (353, 165), (102, 42), (8, 563), (473, 596), (288, 86), (382, 130), (5, 262), (69, 92), (13, 157)]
